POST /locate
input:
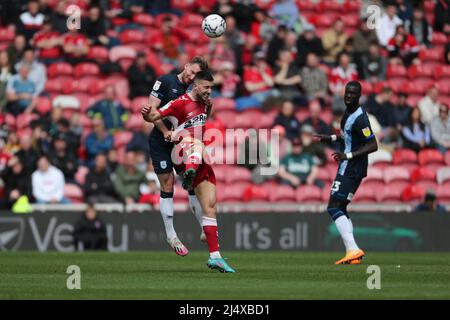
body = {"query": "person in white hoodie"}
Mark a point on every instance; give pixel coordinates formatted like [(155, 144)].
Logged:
[(48, 183)]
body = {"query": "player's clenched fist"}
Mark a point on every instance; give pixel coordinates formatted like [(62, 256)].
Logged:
[(145, 112)]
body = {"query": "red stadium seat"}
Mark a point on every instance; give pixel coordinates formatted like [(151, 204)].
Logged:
[(122, 52), (351, 20), (44, 105), (220, 172), (444, 86), (24, 120), (443, 194), (10, 120), (160, 17), (427, 185), (306, 5), (365, 194), (402, 156), (438, 39), (235, 174), (137, 103), (417, 86), (281, 193), (234, 192), (428, 156), (419, 71), (413, 193), (421, 174), (351, 6), (447, 158), (73, 192), (131, 36), (98, 53), (143, 19), (329, 6), (413, 100), (255, 193), (432, 54), (395, 71), (443, 175), (428, 6), (374, 174), (191, 20), (85, 69), (134, 122), (180, 195), (399, 84), (308, 193), (374, 184), (396, 173), (442, 71), (59, 69), (228, 118), (390, 193), (249, 119), (324, 20), (7, 34), (220, 104), (85, 121), (122, 138)]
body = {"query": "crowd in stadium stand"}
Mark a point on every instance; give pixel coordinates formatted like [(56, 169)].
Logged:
[(70, 99)]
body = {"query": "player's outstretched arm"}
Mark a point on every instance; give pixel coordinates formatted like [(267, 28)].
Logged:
[(369, 147)]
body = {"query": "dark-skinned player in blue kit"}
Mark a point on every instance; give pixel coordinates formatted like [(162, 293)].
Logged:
[(357, 141), (167, 88)]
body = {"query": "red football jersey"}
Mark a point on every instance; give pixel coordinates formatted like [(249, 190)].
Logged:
[(186, 114)]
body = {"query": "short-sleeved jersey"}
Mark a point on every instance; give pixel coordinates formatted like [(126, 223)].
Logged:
[(356, 132), (167, 88), (185, 114)]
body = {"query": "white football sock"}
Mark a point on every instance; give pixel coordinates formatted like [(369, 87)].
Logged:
[(215, 255), (345, 228), (196, 208), (166, 208)]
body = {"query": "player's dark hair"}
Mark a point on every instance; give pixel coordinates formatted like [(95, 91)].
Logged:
[(204, 75), (201, 63), (355, 84)]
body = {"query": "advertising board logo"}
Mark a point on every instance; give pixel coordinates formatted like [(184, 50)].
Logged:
[(11, 233)]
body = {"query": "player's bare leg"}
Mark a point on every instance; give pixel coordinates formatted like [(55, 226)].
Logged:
[(166, 181), (206, 193)]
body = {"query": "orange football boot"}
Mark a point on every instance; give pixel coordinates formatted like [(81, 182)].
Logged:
[(351, 256)]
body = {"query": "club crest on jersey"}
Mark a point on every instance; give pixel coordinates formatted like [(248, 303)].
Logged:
[(157, 85), (366, 132), (163, 164)]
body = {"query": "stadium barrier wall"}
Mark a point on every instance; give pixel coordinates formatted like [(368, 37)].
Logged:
[(52, 231)]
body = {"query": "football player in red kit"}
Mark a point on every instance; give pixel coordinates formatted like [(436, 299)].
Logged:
[(188, 115)]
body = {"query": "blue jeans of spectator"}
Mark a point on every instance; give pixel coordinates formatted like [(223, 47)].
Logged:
[(64, 200)]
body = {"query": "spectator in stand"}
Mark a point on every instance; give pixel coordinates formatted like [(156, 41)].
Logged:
[(258, 81), (12, 145), (363, 37), (262, 27), (48, 42), (419, 27), (430, 203), (298, 168), (388, 24), (99, 141), (401, 111), (226, 82), (235, 40), (373, 64), (244, 13), (169, 42), (276, 44), (403, 47), (113, 161), (285, 12), (150, 191), (17, 182), (59, 18), (16, 49), (27, 155), (429, 105), (343, 73), (333, 41), (40, 140), (63, 158), (404, 9), (141, 76), (381, 108), (6, 72), (223, 7), (307, 43), (45, 8), (447, 53), (31, 20), (48, 183), (287, 119), (318, 125), (440, 129), (220, 52), (37, 73), (20, 92), (90, 231), (442, 16), (94, 28), (139, 141), (75, 46), (127, 179), (314, 80), (287, 78), (416, 135), (314, 149), (98, 187), (110, 110)]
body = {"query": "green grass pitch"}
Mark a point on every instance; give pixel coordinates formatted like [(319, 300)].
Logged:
[(260, 275)]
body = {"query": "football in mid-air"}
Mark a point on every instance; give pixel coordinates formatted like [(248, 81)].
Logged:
[(214, 26)]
